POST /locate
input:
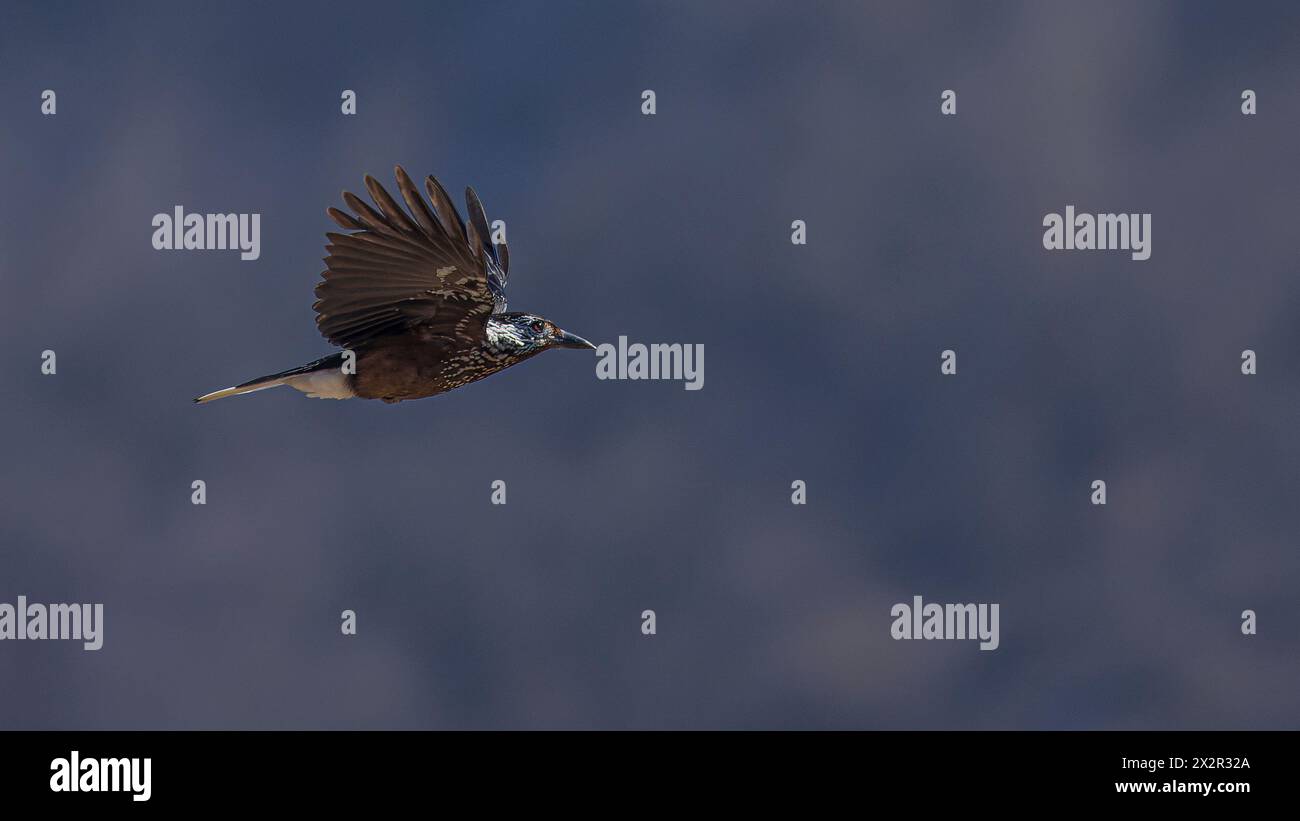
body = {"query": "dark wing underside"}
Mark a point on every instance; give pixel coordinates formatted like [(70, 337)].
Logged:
[(397, 271)]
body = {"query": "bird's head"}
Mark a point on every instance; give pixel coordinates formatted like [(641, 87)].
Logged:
[(521, 334)]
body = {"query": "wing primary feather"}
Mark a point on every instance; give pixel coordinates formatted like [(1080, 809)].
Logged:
[(419, 209), (344, 219), (353, 245), (446, 211), (396, 216), (475, 242), (391, 243), (366, 215), (478, 218)]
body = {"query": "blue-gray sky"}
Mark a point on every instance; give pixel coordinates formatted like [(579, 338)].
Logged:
[(822, 364)]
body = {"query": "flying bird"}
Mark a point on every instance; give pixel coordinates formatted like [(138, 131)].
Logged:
[(418, 298)]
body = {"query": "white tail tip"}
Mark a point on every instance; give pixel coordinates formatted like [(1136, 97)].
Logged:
[(222, 394)]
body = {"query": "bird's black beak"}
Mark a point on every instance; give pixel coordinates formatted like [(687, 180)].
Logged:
[(568, 340)]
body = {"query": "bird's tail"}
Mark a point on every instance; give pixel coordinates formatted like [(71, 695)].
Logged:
[(322, 379)]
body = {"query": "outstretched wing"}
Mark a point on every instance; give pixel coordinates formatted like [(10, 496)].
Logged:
[(398, 271)]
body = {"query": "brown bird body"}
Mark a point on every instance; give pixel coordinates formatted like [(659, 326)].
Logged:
[(417, 299), (416, 365)]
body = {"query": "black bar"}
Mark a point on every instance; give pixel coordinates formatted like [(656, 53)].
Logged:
[(373, 769)]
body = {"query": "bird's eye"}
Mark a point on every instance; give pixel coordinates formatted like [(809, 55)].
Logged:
[(538, 325)]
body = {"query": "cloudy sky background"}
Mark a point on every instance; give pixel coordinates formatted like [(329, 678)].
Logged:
[(821, 364)]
